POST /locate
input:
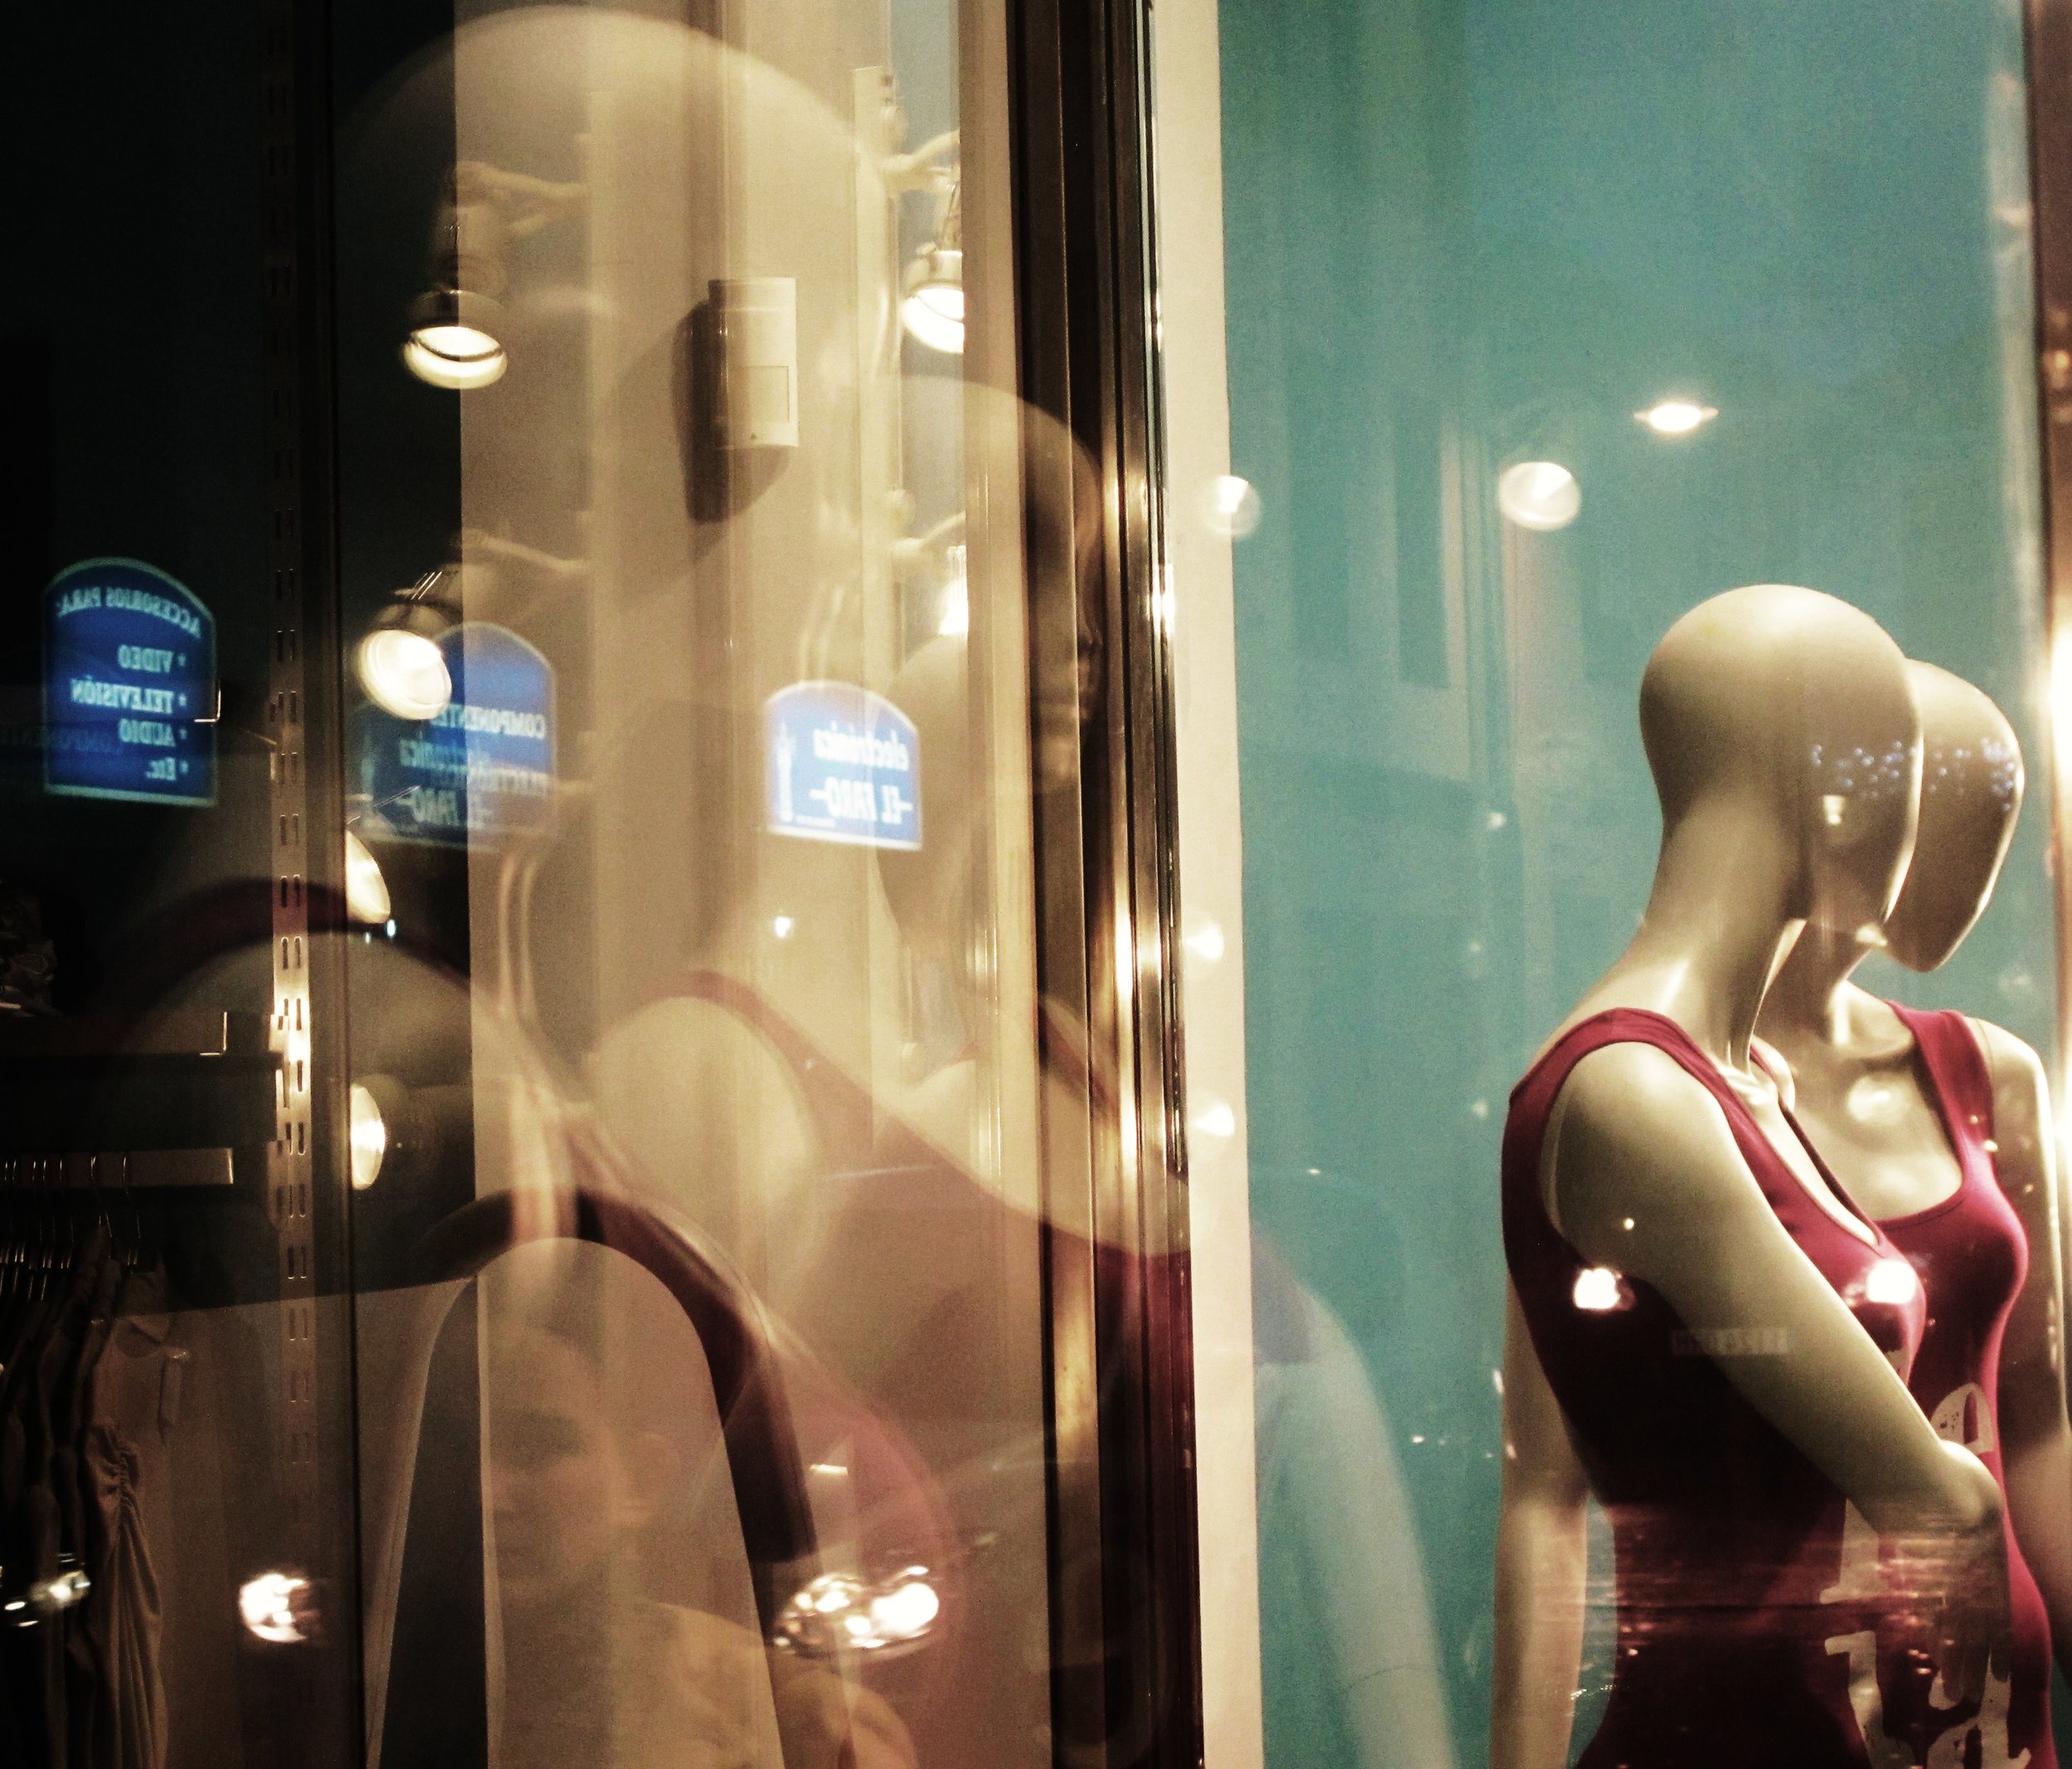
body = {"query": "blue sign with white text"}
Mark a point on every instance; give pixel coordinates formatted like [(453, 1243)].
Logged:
[(481, 771), (129, 702), (841, 764)]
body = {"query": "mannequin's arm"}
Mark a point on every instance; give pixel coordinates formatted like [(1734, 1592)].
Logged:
[(2035, 1436), (1543, 1564), (1649, 1182)]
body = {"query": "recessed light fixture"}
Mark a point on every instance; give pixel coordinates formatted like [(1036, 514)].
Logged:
[(399, 663), (1677, 417), (1542, 495), (956, 598), (366, 891), (368, 1135)]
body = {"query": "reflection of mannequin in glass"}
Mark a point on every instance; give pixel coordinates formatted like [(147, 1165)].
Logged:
[(1702, 1331), (1341, 1578), (593, 1673), (1920, 1114)]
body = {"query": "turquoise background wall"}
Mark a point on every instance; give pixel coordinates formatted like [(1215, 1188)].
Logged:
[(1464, 233)]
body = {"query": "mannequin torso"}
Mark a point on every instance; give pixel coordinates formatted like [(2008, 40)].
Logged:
[(1784, 743)]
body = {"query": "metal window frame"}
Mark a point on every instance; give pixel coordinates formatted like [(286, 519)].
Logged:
[(1126, 1646)]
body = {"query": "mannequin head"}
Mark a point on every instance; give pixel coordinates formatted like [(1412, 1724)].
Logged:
[(1777, 715), (1971, 795)]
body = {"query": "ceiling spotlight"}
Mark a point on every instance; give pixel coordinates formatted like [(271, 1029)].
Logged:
[(366, 891), (932, 311), (454, 324), (399, 663), (1542, 495), (455, 340), (452, 342), (369, 1135), (932, 307), (956, 599), (1674, 418)]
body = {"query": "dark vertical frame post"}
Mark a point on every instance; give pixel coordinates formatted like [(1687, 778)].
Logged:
[(1125, 1633), (315, 1709)]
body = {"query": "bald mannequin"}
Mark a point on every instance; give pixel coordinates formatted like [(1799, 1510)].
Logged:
[(1857, 1089), (1782, 732)]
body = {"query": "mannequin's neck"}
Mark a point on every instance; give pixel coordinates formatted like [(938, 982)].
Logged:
[(1718, 917), (1808, 999)]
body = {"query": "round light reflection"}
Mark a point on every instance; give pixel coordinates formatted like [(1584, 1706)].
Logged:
[(1233, 506), (273, 1608), (404, 673), (1676, 417), (459, 358), (934, 315), (1542, 495), (369, 1136), (366, 891)]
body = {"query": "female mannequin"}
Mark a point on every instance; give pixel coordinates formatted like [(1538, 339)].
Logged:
[(1700, 1325), (1875, 1087)]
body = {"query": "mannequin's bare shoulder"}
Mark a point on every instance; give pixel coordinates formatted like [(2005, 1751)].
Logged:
[(2011, 1062), (1635, 1138), (2021, 1108)]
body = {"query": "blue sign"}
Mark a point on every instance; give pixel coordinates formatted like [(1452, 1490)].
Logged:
[(841, 764), (477, 773), (130, 702)]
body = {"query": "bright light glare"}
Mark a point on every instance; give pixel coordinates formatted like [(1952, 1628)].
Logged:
[(1542, 495), (1205, 942), (906, 1612), (1233, 510), (934, 315), (459, 358), (780, 926), (1218, 1120), (957, 600), (1597, 1290), (269, 1607), (1890, 1281), (369, 1136), (1676, 416), (366, 891), (404, 673)]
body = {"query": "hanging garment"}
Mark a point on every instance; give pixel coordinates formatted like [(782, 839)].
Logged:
[(1972, 1258), (130, 1703), (1737, 1642)]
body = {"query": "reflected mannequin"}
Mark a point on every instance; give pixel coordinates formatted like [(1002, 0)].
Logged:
[(1702, 1331), (880, 1192), (1883, 1093), (1352, 1567), (595, 1674)]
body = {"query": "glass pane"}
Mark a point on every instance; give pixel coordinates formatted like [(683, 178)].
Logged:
[(1547, 322), (176, 1586), (686, 748)]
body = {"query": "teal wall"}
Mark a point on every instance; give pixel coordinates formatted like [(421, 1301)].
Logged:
[(1466, 232)]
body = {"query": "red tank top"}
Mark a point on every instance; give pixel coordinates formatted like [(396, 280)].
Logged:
[(1739, 1641), (1973, 1257)]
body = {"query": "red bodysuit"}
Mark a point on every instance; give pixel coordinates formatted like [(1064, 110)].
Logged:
[(1972, 1256), (1739, 1641)]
